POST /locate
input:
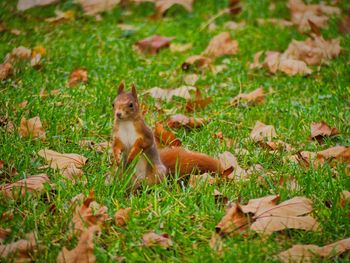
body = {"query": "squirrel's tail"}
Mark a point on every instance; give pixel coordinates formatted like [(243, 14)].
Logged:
[(178, 159)]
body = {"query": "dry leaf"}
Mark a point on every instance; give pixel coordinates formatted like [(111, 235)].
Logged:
[(152, 239), (5, 70), (198, 103), (152, 45), (122, 216), (234, 221), (344, 198), (190, 79), (231, 167), (262, 132), (309, 253), (216, 243), (93, 7), (168, 94), (19, 251), (32, 128), (344, 25), (340, 153), (77, 76), (220, 45), (34, 183), (98, 147), (72, 173), (254, 206), (275, 21), (319, 130), (180, 47), (180, 120), (197, 61), (255, 97), (256, 60), (89, 214), (61, 16), (305, 159), (165, 137), (62, 160), (277, 145), (198, 180), (164, 5), (293, 67), (4, 234), (84, 251), (26, 4)]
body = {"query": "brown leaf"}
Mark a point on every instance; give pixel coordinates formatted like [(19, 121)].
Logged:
[(344, 198), (254, 206), (234, 221), (253, 98), (256, 60), (5, 70), (4, 233), (271, 61), (62, 160), (180, 120), (122, 216), (190, 79), (197, 180), (152, 239), (275, 21), (231, 167), (23, 104), (234, 7), (293, 67), (84, 251), (98, 147), (77, 76), (344, 25), (340, 153), (21, 250), (305, 159), (180, 47), (32, 128), (220, 45), (168, 94), (319, 130), (165, 137), (197, 61), (89, 214), (164, 5), (152, 45), (262, 132), (72, 173), (34, 183), (93, 7), (277, 145), (198, 103), (309, 253), (26, 4)]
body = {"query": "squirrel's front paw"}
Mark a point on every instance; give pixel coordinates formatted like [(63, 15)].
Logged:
[(161, 169)]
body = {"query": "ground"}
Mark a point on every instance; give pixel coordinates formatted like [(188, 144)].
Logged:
[(189, 215)]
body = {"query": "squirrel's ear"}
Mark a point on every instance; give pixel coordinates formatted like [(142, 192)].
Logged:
[(133, 91), (121, 88)]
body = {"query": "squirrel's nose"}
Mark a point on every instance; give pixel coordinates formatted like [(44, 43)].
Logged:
[(119, 115)]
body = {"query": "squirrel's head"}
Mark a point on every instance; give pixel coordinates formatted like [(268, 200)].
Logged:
[(126, 105)]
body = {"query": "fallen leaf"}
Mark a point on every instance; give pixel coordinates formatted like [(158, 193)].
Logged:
[(340, 153), (163, 5), (180, 47), (72, 173), (255, 97), (198, 180), (4, 233), (198, 103), (32, 128), (93, 7), (21, 250), (34, 183), (152, 239), (61, 16), (23, 104), (275, 21), (165, 137), (58, 160), (262, 132), (309, 253), (344, 25), (190, 79), (98, 147), (277, 145), (152, 45), (232, 25), (197, 61), (89, 214), (256, 60), (216, 243), (84, 251), (168, 94), (304, 158), (293, 67), (254, 206), (122, 216), (5, 70), (231, 167), (26, 4), (319, 130), (77, 76), (234, 221), (344, 198), (127, 27), (220, 45), (180, 120)]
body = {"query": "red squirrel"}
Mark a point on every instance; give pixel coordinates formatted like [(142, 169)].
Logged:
[(132, 137)]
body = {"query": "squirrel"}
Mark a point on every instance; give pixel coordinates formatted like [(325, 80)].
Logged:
[(132, 137)]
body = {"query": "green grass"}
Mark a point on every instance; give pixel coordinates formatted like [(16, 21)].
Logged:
[(188, 215)]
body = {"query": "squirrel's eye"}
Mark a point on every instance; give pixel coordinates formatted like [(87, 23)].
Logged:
[(131, 105)]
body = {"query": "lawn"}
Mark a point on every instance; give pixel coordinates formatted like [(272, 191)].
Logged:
[(187, 214)]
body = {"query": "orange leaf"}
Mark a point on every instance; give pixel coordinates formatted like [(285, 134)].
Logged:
[(153, 44), (319, 130), (32, 128), (152, 239), (78, 76), (122, 216)]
